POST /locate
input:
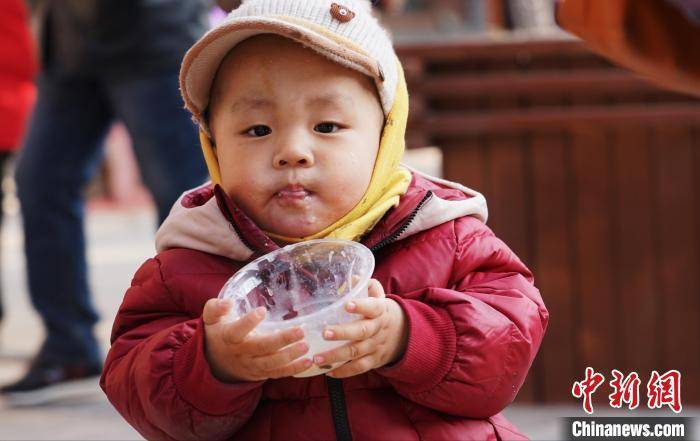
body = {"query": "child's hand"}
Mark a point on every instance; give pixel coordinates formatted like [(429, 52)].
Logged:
[(376, 340), (235, 355)]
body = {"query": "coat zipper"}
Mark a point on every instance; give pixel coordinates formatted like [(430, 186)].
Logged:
[(336, 393), (242, 239), (396, 234), (339, 409)]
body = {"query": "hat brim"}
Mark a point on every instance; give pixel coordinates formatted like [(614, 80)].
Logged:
[(202, 61)]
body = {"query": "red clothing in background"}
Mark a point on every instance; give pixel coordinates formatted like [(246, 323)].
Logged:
[(17, 69)]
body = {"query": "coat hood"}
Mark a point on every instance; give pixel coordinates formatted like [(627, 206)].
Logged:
[(206, 219)]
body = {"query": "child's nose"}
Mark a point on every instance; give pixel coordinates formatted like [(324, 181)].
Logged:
[(293, 156)]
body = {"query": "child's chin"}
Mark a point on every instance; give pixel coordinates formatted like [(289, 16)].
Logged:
[(296, 229)]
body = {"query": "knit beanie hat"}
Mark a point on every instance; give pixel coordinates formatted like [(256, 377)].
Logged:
[(346, 32)]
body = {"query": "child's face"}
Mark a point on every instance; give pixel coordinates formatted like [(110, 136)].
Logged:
[(296, 135)]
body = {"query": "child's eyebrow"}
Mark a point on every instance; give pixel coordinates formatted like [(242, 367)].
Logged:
[(250, 103), (330, 99)]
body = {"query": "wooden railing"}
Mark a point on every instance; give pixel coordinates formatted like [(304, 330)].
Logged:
[(593, 178)]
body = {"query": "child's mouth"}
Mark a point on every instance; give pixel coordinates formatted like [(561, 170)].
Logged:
[(292, 194)]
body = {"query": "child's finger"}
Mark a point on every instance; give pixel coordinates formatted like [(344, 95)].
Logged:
[(358, 330), (214, 309), (267, 344), (375, 289), (237, 331), (355, 367), (347, 352), (296, 367), (371, 307), (281, 358)]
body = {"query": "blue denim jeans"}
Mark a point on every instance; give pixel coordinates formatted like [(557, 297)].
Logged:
[(62, 151)]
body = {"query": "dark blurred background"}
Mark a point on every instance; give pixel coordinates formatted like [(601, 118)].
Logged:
[(592, 175)]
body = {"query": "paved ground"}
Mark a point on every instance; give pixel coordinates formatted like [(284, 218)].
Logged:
[(119, 240)]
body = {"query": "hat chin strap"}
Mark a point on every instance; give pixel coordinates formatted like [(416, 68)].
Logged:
[(210, 157)]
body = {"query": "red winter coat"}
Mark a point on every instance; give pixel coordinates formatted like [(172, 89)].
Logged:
[(475, 323), (17, 69)]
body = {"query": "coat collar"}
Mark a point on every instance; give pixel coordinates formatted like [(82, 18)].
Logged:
[(206, 219)]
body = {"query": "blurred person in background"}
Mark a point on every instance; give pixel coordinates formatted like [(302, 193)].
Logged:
[(101, 60), (17, 90)]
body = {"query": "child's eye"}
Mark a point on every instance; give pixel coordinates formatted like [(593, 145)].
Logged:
[(259, 131), (327, 127)]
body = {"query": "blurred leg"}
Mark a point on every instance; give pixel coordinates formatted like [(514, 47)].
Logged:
[(165, 139), (5, 156), (60, 155)]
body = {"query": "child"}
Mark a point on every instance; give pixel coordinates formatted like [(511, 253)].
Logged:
[(302, 107)]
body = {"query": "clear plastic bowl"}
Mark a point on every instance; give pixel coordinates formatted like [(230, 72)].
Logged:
[(307, 285)]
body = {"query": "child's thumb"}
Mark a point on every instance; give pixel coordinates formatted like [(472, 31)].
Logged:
[(375, 289), (214, 309)]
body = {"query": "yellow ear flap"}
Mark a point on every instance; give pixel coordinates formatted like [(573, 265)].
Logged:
[(210, 157)]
